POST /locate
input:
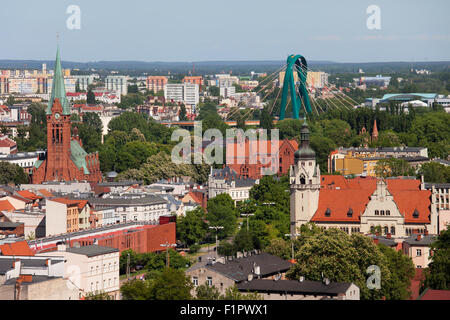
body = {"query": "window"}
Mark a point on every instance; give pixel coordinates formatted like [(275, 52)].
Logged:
[(382, 212), (388, 212), (393, 230), (377, 213), (195, 281), (209, 281), (419, 252)]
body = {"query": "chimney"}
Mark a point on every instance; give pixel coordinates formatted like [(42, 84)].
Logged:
[(419, 237), (426, 232), (250, 277), (388, 236)]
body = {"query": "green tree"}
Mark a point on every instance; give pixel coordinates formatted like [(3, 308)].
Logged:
[(12, 173), (435, 172), (90, 97), (192, 228), (438, 274), (206, 292), (222, 212), (171, 284), (214, 91), (344, 258), (402, 271), (392, 167), (10, 101), (280, 248)]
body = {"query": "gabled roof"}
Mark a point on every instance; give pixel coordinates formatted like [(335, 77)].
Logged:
[(29, 195), (305, 287), (239, 269)]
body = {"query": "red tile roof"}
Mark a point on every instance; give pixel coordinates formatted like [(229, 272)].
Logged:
[(45, 193), (20, 248), (339, 195), (5, 205), (79, 203), (28, 195), (430, 294)]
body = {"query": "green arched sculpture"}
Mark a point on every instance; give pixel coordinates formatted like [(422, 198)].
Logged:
[(289, 84)]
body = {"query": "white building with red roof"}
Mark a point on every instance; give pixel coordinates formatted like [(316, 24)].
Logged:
[(7, 145), (399, 206)]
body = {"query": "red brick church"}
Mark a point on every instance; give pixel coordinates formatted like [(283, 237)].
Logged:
[(66, 160)]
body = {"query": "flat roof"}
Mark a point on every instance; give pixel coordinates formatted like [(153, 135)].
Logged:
[(92, 250)]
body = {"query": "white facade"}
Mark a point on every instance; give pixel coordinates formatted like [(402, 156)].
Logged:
[(227, 92), (91, 274), (117, 83), (187, 93)]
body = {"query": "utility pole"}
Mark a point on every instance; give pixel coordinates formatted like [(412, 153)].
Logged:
[(247, 215), (128, 266), (292, 235), (217, 228), (168, 245)]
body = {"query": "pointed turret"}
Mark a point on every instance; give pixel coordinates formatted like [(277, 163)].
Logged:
[(375, 131), (58, 88)]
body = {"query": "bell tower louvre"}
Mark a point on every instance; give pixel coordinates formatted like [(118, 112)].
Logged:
[(65, 160)]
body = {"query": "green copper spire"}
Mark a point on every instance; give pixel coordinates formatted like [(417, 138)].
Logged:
[(58, 89)]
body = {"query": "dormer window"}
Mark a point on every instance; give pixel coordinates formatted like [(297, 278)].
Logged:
[(350, 212), (328, 212), (416, 214)]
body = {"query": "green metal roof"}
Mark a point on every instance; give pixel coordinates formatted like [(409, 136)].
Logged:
[(58, 88), (78, 156), (38, 163)]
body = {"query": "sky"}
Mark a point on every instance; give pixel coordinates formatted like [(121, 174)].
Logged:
[(208, 30)]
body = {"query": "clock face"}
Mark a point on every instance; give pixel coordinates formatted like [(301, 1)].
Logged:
[(57, 116)]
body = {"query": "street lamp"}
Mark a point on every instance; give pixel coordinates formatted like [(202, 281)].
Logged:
[(217, 228), (292, 235), (168, 245), (247, 215)]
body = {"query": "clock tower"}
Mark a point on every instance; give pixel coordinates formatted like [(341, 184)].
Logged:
[(58, 129), (66, 160), (304, 179)]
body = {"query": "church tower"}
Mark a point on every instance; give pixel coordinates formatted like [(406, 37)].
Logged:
[(65, 160), (304, 177), (58, 129)]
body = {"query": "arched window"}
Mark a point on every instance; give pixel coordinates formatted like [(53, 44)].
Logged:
[(302, 180), (393, 230), (377, 212), (382, 212), (388, 212), (386, 230)]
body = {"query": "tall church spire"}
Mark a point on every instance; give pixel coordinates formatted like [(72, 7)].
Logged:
[(58, 88)]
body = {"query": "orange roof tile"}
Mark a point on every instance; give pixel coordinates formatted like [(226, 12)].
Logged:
[(28, 195), (79, 203), (20, 248), (339, 195), (45, 193), (5, 205)]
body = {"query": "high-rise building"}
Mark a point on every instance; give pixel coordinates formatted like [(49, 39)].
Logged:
[(182, 92), (156, 83), (117, 83), (194, 80)]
